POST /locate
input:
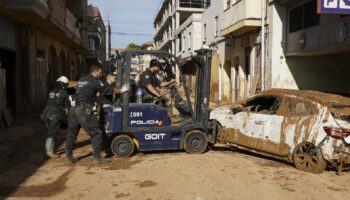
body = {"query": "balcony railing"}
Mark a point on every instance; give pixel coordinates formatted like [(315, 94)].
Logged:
[(72, 24), (194, 3), (58, 13)]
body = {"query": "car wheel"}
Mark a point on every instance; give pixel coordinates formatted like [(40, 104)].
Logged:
[(123, 146), (195, 142), (307, 157)]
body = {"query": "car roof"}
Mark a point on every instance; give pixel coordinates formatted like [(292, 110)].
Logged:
[(336, 103), (319, 97)]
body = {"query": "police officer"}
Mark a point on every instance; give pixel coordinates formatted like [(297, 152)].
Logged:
[(108, 98), (82, 114), (57, 106), (149, 82)]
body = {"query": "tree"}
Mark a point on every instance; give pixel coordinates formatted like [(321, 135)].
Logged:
[(133, 46)]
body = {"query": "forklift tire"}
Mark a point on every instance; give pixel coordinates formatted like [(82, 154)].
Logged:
[(122, 146), (195, 142)]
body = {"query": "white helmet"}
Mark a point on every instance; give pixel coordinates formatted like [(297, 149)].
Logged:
[(63, 79)]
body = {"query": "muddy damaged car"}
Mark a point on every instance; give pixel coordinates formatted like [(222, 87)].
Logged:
[(308, 129)]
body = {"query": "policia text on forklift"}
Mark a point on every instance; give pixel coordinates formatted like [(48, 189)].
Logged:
[(82, 114), (57, 106)]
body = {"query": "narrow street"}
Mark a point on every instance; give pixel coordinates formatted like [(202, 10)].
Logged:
[(220, 174), (181, 87)]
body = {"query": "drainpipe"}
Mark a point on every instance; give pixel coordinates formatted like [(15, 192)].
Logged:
[(263, 44)]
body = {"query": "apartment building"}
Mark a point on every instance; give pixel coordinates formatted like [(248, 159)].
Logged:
[(108, 39), (146, 59), (40, 40), (241, 26), (212, 19), (189, 36), (170, 15), (307, 50), (97, 35)]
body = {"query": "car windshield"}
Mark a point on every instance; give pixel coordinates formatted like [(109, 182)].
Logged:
[(262, 103)]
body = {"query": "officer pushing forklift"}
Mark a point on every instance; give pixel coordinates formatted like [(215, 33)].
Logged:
[(82, 114)]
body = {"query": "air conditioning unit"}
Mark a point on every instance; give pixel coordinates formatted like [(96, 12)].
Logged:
[(2, 89)]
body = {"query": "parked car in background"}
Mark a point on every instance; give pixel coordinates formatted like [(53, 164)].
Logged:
[(307, 128)]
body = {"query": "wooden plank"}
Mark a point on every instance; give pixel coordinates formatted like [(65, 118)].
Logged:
[(254, 85)]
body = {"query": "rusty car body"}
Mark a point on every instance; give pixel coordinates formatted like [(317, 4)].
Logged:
[(307, 128)]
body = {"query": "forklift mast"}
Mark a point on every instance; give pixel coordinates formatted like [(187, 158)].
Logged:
[(203, 62)]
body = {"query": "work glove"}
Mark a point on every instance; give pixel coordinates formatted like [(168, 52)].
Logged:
[(124, 89)]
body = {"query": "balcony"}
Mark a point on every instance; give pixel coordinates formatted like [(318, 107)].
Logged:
[(241, 17), (165, 20), (58, 13), (30, 9), (51, 16), (94, 32), (160, 9), (72, 25)]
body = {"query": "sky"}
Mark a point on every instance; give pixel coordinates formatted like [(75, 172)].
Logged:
[(131, 20)]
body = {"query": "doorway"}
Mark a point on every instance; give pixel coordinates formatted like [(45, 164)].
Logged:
[(247, 56), (8, 62)]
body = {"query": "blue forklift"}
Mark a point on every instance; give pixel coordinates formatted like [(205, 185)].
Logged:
[(146, 127)]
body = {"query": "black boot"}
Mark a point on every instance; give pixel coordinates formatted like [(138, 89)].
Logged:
[(70, 158), (98, 159)]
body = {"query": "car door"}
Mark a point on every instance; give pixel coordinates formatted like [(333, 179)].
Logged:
[(258, 125), (302, 120)]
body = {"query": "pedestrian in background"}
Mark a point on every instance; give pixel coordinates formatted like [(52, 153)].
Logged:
[(84, 116), (57, 107)]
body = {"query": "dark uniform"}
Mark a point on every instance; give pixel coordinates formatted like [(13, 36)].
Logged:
[(52, 115), (82, 114), (148, 77)]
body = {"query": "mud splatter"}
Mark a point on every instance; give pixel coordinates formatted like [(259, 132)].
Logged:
[(337, 189), (147, 184), (236, 137), (272, 164), (122, 163), (44, 190), (121, 195)]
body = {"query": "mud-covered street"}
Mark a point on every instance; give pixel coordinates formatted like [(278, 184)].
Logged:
[(217, 174)]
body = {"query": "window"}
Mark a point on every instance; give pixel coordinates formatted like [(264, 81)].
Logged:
[(216, 26), (204, 33), (183, 44), (264, 104), (303, 16), (247, 52), (296, 107), (228, 4), (179, 42), (190, 42)]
